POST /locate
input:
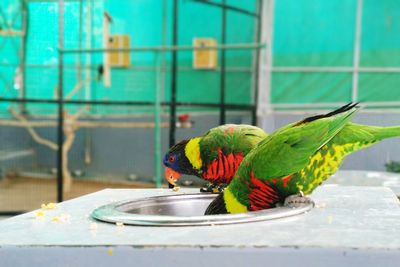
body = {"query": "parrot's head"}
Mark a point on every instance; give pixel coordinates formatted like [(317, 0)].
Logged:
[(176, 162)]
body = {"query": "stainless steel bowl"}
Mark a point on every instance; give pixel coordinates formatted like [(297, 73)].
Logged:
[(183, 210)]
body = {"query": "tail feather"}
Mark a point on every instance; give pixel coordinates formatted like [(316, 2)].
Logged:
[(217, 206), (355, 133), (388, 132), (342, 109)]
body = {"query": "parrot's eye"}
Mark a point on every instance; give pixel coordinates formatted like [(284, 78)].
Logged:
[(171, 159)]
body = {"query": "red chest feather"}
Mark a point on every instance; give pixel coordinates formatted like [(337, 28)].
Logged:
[(223, 168)]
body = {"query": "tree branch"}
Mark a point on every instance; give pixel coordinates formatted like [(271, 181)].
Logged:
[(31, 131)]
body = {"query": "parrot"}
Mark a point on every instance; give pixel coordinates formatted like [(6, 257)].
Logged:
[(295, 159), (214, 156)]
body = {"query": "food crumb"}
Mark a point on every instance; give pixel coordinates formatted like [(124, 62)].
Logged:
[(48, 206), (330, 219), (40, 215), (119, 224), (176, 188), (56, 219), (110, 251), (320, 205)]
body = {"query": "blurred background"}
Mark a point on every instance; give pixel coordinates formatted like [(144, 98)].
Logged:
[(93, 92)]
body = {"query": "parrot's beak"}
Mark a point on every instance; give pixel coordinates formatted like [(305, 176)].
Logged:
[(172, 176)]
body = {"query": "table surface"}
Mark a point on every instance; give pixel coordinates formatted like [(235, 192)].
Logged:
[(345, 217)]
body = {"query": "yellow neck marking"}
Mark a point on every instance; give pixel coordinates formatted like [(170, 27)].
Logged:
[(192, 152), (232, 204)]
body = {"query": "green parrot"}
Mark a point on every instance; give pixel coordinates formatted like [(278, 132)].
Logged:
[(295, 159), (214, 156)]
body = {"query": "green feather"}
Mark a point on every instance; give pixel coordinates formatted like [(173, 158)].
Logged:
[(286, 151), (309, 151), (351, 138), (230, 138)]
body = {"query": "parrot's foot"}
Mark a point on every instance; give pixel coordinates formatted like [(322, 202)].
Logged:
[(297, 200), (213, 188)]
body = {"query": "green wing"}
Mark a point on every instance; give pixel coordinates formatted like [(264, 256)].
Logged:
[(286, 152)]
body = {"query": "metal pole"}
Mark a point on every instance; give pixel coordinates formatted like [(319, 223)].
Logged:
[(88, 46), (174, 74), (266, 65), (60, 135), (264, 106), (356, 58), (24, 29), (78, 58), (333, 105), (88, 85), (80, 32), (228, 7), (257, 64), (126, 103), (157, 120), (243, 46), (222, 114), (160, 86), (106, 56), (239, 69)]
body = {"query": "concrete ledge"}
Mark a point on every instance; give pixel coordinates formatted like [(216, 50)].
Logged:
[(351, 226)]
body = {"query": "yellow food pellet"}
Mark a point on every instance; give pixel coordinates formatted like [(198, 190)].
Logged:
[(119, 224), (56, 219), (40, 215), (330, 219), (176, 188), (51, 205), (110, 251), (48, 206)]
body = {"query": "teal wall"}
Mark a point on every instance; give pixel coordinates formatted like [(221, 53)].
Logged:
[(321, 33), (142, 20), (306, 33)]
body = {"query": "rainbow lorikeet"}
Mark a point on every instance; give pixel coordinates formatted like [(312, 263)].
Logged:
[(295, 160), (214, 156)]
